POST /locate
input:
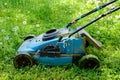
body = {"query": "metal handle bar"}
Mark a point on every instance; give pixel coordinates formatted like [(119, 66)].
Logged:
[(101, 16), (90, 12)]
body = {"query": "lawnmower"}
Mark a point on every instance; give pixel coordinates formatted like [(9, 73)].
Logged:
[(62, 46)]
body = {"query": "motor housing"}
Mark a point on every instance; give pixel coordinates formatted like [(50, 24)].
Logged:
[(50, 34)]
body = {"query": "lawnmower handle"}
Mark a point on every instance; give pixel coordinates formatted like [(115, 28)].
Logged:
[(101, 16), (90, 12)]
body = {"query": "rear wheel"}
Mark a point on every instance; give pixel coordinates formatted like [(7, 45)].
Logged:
[(89, 62), (23, 60)]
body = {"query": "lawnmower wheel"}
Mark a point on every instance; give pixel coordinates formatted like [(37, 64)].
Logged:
[(89, 62), (29, 37), (22, 60)]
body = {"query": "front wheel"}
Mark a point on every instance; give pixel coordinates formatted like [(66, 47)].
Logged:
[(23, 60), (29, 37), (89, 62)]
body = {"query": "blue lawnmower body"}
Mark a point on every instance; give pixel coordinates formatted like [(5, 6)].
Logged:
[(51, 51)]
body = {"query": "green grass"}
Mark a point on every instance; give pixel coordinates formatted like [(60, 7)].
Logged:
[(19, 18)]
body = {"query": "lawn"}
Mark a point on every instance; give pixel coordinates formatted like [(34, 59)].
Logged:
[(18, 18)]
